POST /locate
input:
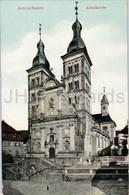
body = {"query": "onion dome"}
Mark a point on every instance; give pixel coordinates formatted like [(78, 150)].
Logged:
[(40, 57), (104, 98), (77, 42)]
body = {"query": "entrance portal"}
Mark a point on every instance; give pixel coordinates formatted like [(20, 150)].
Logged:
[(51, 153)]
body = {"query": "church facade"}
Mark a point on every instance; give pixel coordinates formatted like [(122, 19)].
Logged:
[(60, 121)]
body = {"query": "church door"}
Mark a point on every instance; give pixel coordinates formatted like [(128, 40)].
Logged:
[(51, 153)]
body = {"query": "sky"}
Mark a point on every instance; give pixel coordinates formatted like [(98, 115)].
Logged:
[(104, 33)]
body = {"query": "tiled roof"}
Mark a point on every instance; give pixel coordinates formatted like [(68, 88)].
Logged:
[(7, 128), (102, 119), (9, 133), (123, 131)]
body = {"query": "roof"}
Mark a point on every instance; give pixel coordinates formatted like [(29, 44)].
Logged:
[(104, 99), (123, 131), (9, 133), (102, 119), (7, 128)]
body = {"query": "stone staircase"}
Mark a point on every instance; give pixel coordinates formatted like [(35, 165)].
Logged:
[(30, 167)]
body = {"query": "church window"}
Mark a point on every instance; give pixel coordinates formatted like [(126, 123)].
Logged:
[(76, 67), (33, 110), (37, 80), (104, 107), (33, 82), (33, 98), (76, 84), (70, 70), (77, 99), (70, 86), (105, 128), (69, 100)]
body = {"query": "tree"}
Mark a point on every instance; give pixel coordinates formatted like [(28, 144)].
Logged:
[(7, 158), (124, 150)]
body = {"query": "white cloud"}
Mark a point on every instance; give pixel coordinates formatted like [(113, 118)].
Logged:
[(106, 50)]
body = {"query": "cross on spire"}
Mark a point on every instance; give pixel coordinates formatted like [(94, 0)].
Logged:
[(40, 30), (76, 8)]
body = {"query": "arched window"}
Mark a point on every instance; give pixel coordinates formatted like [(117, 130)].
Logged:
[(33, 97), (105, 127), (51, 138), (69, 100), (76, 84), (77, 67), (70, 86), (37, 80), (33, 109), (33, 82), (69, 70), (77, 99)]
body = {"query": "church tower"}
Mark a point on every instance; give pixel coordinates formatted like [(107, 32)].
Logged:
[(38, 75), (77, 79), (104, 105)]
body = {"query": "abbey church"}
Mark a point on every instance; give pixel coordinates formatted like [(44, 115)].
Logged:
[(60, 121)]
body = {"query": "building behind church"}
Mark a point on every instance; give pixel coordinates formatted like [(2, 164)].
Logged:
[(60, 121)]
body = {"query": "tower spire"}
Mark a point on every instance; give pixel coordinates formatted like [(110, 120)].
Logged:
[(76, 8), (40, 58), (40, 31)]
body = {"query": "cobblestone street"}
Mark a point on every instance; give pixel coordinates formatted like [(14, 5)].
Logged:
[(65, 188)]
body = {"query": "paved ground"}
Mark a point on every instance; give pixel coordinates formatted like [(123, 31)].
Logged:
[(8, 190), (65, 188)]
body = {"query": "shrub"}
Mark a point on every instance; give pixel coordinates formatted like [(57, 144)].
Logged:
[(7, 158)]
